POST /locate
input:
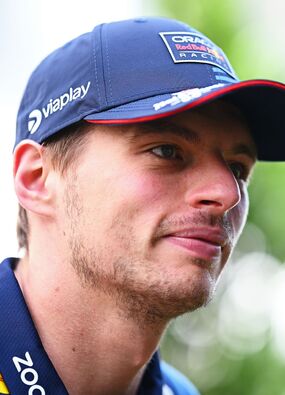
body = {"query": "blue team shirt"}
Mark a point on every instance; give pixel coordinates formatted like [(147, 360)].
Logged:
[(25, 367)]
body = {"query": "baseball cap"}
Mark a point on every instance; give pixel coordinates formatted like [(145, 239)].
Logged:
[(140, 70)]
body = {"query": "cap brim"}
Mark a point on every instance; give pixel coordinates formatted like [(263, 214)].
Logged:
[(261, 101)]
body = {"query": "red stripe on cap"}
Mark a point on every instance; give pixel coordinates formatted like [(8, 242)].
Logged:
[(195, 103)]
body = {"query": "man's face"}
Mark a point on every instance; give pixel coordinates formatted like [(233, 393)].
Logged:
[(152, 211)]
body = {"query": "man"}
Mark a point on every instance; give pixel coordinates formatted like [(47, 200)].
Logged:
[(134, 147)]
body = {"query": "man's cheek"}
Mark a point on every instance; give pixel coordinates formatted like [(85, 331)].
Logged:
[(141, 202), (141, 191)]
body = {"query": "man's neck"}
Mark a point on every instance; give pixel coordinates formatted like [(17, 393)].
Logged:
[(93, 346)]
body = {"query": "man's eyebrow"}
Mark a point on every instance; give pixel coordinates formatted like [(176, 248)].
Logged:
[(161, 127), (245, 150)]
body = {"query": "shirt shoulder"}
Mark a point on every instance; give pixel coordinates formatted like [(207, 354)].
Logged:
[(175, 383)]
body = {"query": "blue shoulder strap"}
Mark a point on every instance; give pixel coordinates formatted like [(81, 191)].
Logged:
[(175, 383)]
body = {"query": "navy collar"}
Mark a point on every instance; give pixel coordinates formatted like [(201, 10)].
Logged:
[(24, 364)]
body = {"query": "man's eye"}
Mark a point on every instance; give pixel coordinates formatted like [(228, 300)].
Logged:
[(238, 170), (166, 151)]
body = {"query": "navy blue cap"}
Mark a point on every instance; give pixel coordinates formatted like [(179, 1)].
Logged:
[(140, 70)]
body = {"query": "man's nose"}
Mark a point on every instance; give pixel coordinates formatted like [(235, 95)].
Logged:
[(215, 188)]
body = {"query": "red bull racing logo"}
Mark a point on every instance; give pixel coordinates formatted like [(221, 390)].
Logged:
[(193, 47)]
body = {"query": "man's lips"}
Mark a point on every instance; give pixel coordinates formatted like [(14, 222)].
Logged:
[(211, 235), (203, 243)]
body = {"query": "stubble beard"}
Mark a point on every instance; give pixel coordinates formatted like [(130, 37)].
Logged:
[(147, 300), (132, 281)]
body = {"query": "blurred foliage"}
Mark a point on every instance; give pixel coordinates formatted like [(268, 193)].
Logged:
[(251, 33), (257, 374), (267, 199)]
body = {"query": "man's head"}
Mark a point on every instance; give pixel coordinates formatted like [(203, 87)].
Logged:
[(147, 196), (147, 212)]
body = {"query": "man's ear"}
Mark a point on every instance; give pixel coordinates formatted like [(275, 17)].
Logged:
[(30, 178)]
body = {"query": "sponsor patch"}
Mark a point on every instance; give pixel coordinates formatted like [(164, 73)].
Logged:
[(185, 96), (193, 47)]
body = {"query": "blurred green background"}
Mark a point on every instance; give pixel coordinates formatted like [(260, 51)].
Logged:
[(236, 345)]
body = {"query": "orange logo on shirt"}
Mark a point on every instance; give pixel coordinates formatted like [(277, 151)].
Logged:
[(3, 388)]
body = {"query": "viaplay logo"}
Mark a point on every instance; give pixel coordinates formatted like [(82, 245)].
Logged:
[(35, 119), (54, 105)]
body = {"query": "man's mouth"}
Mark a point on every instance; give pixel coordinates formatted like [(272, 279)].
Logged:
[(205, 243)]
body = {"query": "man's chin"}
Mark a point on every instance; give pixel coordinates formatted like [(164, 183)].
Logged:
[(185, 290), (187, 303), (159, 305)]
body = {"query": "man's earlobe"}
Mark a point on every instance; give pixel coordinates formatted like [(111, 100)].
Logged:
[(30, 175)]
